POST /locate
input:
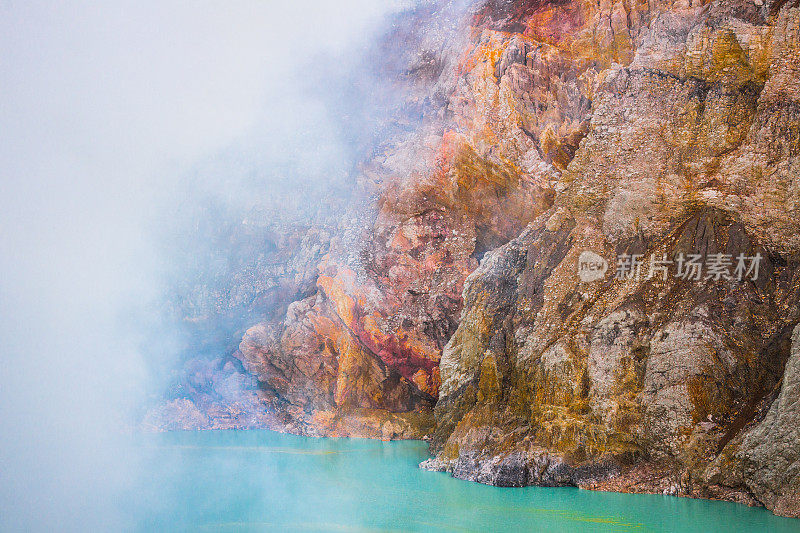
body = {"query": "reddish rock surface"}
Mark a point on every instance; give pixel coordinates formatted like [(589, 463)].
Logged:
[(549, 128)]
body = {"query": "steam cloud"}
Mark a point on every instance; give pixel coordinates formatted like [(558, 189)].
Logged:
[(113, 114)]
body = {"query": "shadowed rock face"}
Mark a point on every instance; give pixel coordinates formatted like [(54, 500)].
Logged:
[(612, 377), (651, 384), (454, 308), (770, 452)]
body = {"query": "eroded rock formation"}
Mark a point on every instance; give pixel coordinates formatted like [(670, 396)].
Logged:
[(551, 128)]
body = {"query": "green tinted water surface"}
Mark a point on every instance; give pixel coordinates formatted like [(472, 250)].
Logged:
[(264, 481)]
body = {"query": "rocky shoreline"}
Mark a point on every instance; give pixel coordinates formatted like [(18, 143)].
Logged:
[(455, 308)]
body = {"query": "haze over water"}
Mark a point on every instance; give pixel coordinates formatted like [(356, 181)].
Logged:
[(265, 481), (111, 112)]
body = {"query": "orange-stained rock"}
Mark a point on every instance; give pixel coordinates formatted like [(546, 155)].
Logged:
[(549, 128)]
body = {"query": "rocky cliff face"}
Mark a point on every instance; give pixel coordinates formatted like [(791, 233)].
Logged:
[(649, 136), (770, 452), (645, 381)]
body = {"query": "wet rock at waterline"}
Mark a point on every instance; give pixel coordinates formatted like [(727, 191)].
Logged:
[(554, 135)]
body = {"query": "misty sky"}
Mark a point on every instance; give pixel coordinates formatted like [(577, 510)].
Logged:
[(104, 108)]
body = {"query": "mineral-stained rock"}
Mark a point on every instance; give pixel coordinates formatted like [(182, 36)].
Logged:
[(771, 451), (653, 379), (549, 129)]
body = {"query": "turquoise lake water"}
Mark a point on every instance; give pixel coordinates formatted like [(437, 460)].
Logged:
[(264, 481)]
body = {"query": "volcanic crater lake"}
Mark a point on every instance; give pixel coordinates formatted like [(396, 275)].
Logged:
[(265, 481)]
